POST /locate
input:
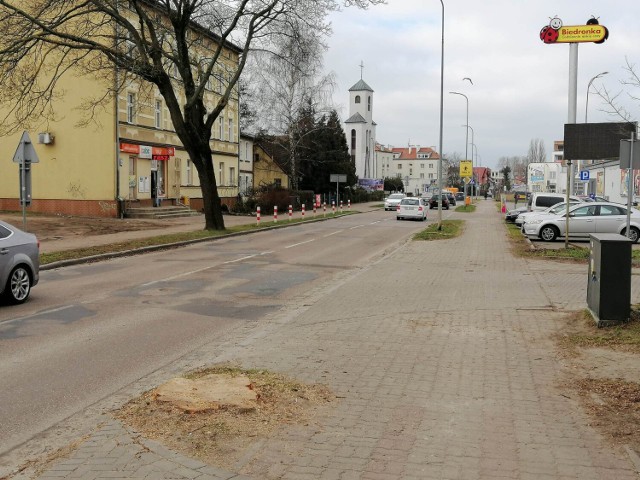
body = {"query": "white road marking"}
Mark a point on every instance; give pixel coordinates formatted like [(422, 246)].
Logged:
[(301, 243), (191, 272), (334, 233)]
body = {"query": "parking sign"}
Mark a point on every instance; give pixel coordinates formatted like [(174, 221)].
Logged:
[(584, 175)]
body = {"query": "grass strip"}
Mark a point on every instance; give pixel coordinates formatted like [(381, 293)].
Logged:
[(450, 229)]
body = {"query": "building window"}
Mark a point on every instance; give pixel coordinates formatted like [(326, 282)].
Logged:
[(221, 174), (357, 98), (422, 165), (422, 175), (353, 140), (189, 173), (369, 104), (221, 127), (232, 176), (277, 182), (399, 166), (231, 129), (431, 165), (131, 108), (158, 113)]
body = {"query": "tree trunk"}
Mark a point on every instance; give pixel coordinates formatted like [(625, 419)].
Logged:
[(212, 207)]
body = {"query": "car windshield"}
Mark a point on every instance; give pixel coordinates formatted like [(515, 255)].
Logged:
[(410, 201)]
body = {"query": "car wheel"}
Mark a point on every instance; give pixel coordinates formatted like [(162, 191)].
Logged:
[(18, 285), (635, 234), (397, 218), (549, 233)]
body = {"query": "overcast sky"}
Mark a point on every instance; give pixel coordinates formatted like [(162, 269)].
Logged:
[(520, 85)]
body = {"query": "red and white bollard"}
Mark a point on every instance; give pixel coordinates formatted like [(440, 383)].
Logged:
[(258, 215), (303, 211), (290, 212), (315, 206), (349, 204), (324, 209), (333, 207), (275, 214), (340, 206)]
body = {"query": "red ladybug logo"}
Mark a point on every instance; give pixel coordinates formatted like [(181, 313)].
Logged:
[(549, 34)]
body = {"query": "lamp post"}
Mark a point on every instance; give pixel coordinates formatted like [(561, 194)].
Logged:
[(472, 145), (466, 142), (441, 111), (586, 106)]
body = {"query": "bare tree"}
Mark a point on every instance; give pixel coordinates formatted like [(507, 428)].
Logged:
[(614, 102), (537, 152), (149, 41), (286, 85)]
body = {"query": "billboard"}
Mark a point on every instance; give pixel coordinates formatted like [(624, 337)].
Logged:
[(595, 141), (555, 32), (371, 184)]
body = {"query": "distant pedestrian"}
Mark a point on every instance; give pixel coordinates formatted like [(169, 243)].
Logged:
[(485, 195), (515, 199)]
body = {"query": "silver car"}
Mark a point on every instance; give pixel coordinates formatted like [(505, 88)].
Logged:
[(584, 219), (393, 200), (412, 207), (19, 263)]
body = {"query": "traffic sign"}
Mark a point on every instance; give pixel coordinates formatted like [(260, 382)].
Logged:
[(25, 151), (466, 168), (584, 175)]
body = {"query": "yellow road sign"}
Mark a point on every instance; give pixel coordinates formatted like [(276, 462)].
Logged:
[(466, 168)]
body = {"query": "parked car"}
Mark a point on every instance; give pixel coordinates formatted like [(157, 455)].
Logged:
[(412, 207), (436, 199), (584, 219), (557, 208), (511, 215), (392, 201), (459, 196), (19, 263), (540, 201)]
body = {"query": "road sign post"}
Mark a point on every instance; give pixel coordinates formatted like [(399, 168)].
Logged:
[(25, 155), (338, 178)]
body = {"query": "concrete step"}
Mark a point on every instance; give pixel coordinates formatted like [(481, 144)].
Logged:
[(170, 211)]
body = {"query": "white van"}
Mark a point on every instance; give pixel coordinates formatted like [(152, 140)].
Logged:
[(539, 201)]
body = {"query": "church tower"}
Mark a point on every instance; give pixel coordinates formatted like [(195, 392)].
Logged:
[(361, 129)]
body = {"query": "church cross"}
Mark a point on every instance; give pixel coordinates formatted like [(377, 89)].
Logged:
[(361, 68)]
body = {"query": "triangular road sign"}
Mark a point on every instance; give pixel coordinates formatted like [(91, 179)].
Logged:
[(25, 150)]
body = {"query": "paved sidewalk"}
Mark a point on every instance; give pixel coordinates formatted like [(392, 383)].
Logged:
[(459, 382)]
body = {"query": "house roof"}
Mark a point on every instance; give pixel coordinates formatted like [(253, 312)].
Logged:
[(355, 118), (411, 153), (361, 85)]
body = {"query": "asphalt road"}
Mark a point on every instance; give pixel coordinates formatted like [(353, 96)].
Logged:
[(91, 331)]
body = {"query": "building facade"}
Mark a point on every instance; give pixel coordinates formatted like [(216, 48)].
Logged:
[(128, 155), (416, 166)]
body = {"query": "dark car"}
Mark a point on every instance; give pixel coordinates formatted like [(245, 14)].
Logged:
[(19, 263), (459, 196), (511, 215), (435, 199), (452, 198)]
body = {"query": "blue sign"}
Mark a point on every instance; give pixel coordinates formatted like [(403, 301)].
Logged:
[(584, 175)]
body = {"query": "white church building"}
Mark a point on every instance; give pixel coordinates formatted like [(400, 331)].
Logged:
[(360, 129)]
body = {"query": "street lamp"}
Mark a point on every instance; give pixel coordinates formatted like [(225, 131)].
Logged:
[(472, 145), (586, 106), (441, 111), (466, 155)]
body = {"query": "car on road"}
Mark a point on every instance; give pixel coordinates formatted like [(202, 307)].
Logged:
[(459, 196), (19, 263), (436, 199), (392, 201), (412, 207), (452, 198), (584, 219)]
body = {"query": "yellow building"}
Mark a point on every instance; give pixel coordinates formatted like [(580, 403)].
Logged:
[(266, 171), (128, 154)]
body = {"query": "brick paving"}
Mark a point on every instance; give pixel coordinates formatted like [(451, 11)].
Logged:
[(441, 359)]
